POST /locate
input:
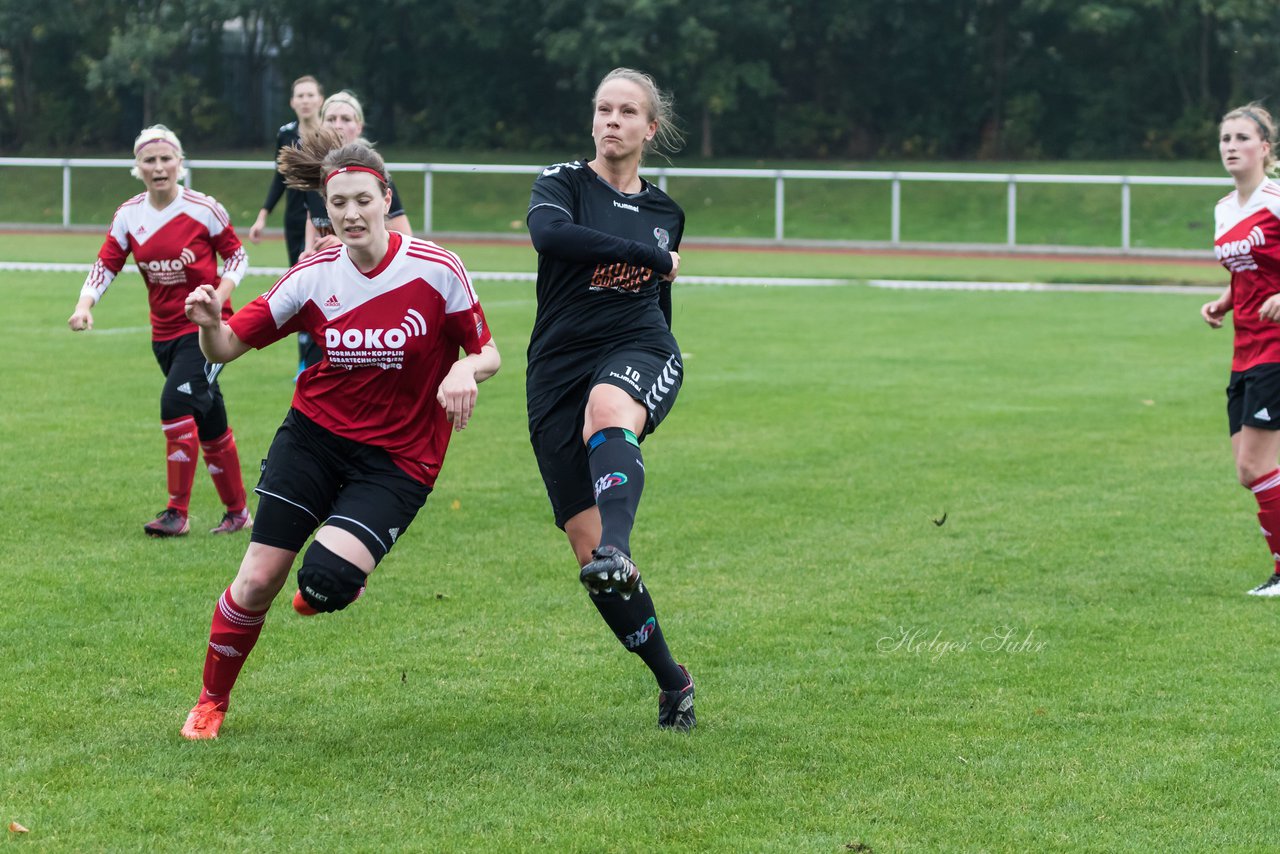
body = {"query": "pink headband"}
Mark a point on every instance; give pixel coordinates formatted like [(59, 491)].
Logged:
[(341, 169), (145, 142)]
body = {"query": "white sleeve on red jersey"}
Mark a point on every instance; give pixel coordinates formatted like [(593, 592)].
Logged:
[(221, 234), (110, 260), (270, 317), (235, 261)]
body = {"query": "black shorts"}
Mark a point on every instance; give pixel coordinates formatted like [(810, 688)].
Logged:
[(557, 409), (190, 380), (1253, 398), (335, 481)]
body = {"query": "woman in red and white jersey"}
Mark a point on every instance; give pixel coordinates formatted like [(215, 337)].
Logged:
[(176, 236), (362, 445), (1247, 242)]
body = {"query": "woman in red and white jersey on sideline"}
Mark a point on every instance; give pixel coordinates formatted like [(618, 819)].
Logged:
[(175, 236), (1247, 242), (360, 449)]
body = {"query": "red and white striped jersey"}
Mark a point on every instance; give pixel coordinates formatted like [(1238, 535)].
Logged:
[(390, 337), (174, 250), (1246, 240)]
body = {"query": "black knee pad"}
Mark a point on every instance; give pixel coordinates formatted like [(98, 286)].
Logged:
[(328, 582)]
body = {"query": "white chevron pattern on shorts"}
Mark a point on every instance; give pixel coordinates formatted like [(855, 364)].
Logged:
[(663, 384)]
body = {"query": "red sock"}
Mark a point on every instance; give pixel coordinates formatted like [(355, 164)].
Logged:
[(223, 460), (182, 446), (231, 639), (1267, 490)]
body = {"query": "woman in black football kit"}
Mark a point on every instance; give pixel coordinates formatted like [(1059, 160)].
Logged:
[(305, 98), (604, 368), (343, 114)]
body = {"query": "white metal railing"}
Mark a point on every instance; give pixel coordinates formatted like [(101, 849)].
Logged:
[(779, 177)]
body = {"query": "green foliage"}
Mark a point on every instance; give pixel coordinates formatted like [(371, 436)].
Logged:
[(840, 78)]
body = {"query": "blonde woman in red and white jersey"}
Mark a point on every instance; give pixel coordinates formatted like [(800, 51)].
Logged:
[(176, 236), (362, 445), (1247, 242)]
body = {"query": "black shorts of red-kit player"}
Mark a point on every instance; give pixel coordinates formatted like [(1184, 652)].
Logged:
[(1253, 398)]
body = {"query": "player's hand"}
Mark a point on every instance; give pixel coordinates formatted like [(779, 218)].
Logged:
[(1213, 312), (327, 242), (457, 395), (1271, 309), (80, 320), (675, 268), (204, 307), (255, 230)]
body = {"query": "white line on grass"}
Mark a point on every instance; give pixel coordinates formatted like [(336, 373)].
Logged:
[(749, 281)]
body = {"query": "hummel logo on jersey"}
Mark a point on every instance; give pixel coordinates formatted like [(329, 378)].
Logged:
[(179, 456), (1262, 414), (185, 388), (332, 302), (626, 207), (226, 651)]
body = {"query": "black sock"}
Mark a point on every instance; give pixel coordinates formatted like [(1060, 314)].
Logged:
[(635, 623), (617, 468)]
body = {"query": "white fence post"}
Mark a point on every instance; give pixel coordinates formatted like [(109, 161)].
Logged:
[(66, 194), (895, 210), (1011, 231), (428, 204), (779, 199), (1124, 214)]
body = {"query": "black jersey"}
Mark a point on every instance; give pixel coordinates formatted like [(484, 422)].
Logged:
[(295, 211), (602, 289), (319, 214)]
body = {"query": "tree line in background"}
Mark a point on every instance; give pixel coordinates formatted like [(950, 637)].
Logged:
[(845, 79)]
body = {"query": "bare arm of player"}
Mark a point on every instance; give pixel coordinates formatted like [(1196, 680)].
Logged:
[(82, 318), (224, 289), (458, 392), (401, 224), (255, 230), (675, 267), (308, 242), (1214, 311), (217, 341)]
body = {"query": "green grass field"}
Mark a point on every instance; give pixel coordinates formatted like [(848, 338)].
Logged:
[(1068, 663)]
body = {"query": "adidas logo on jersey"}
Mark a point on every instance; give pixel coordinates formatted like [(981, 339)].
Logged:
[(213, 470), (1262, 414), (332, 302), (394, 532), (185, 388), (178, 456), (226, 651)]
